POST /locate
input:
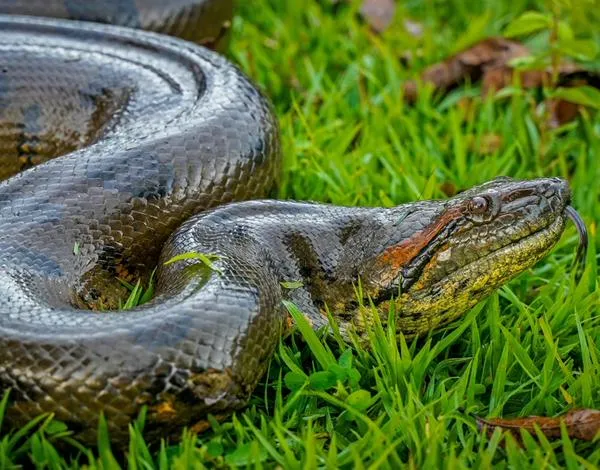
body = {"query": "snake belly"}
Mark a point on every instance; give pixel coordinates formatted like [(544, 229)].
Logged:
[(155, 129)]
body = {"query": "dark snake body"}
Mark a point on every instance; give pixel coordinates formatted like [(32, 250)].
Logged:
[(155, 130), (201, 21), (159, 129)]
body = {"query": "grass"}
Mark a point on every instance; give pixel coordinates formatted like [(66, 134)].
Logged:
[(348, 138)]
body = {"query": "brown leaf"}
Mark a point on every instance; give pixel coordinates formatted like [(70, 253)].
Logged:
[(378, 13), (498, 77), (583, 424), (489, 60), (470, 64), (561, 112)]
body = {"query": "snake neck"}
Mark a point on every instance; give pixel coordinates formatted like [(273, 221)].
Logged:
[(316, 255)]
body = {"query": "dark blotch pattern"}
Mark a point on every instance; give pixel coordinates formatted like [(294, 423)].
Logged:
[(150, 131)]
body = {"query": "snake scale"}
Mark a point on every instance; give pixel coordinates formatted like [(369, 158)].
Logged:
[(154, 137)]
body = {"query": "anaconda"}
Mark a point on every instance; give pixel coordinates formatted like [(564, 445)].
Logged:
[(156, 138)]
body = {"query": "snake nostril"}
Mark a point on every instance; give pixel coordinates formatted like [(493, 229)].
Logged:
[(554, 203), (556, 192)]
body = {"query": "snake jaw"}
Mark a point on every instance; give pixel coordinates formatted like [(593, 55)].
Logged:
[(437, 304)]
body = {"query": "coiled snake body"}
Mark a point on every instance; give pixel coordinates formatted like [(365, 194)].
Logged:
[(152, 130)]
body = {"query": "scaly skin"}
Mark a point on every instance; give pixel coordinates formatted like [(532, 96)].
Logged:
[(205, 22), (433, 259), (155, 130)]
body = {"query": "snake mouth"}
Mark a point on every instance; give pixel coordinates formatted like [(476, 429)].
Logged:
[(504, 263), (533, 247), (499, 265)]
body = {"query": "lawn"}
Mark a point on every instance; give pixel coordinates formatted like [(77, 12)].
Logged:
[(349, 138)]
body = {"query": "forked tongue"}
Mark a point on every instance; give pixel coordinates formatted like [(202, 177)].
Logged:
[(579, 263)]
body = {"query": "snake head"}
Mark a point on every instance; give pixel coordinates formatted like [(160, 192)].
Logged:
[(475, 242)]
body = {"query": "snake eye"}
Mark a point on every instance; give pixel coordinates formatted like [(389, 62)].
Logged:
[(482, 209), (478, 205)]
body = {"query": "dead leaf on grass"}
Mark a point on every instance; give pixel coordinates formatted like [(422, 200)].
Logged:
[(470, 64), (583, 424), (490, 61)]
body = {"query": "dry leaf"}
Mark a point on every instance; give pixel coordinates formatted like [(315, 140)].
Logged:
[(470, 64), (378, 13), (489, 60), (561, 112), (496, 78), (581, 424)]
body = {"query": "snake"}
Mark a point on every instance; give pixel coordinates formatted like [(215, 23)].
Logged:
[(130, 154)]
